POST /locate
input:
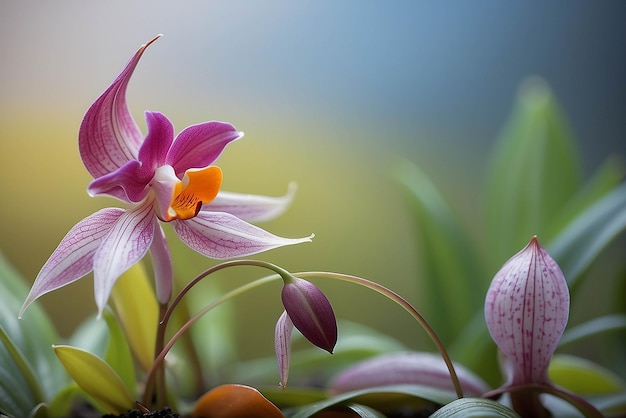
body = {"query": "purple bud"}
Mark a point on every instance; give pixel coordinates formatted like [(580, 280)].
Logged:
[(526, 311), (310, 312)]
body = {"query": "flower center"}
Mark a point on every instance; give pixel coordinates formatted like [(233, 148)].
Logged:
[(198, 186)]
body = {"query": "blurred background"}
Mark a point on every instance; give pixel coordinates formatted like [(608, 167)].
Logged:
[(329, 95)]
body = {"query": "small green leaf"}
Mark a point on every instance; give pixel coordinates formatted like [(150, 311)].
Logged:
[(535, 170), (474, 408), (583, 377), (96, 378)]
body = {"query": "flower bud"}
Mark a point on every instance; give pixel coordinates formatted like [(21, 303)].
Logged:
[(526, 310), (311, 312)]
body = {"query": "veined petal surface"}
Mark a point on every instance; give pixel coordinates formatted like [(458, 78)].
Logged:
[(154, 149), (73, 258), (282, 346), (249, 207), (127, 183), (222, 235), (198, 146), (526, 310), (126, 243), (108, 135)]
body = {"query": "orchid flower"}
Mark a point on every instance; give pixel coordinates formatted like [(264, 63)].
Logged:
[(161, 178), (526, 310)]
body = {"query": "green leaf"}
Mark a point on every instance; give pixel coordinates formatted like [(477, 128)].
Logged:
[(535, 170), (118, 354), (96, 378), (607, 178), (583, 377), (474, 408), (594, 327), (454, 280), (364, 411), (583, 239), (138, 311), (387, 399), (32, 338)]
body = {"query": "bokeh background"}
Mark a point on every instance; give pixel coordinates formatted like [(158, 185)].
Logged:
[(329, 95)]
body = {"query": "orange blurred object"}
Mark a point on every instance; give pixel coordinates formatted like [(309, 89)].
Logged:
[(235, 401)]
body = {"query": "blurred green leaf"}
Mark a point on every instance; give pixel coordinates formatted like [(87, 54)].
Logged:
[(594, 327), (96, 378), (583, 377), (32, 337), (387, 399), (585, 237), (605, 180), (535, 170), (453, 278), (474, 408), (118, 354)]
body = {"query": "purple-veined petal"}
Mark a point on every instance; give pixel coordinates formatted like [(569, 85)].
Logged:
[(108, 135), (526, 310), (198, 146), (282, 346), (413, 368), (311, 312), (157, 143), (73, 258), (125, 244), (221, 235), (128, 183), (249, 207), (162, 265)]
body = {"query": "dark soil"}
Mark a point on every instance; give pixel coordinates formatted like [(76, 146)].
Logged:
[(135, 413)]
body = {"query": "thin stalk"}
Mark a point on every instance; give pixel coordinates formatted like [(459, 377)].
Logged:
[(159, 359), (390, 294)]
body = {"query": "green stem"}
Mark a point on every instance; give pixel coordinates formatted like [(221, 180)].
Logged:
[(158, 361), (390, 294)]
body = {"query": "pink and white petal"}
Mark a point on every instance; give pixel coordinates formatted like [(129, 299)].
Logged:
[(157, 143), (198, 146), (73, 258), (162, 265), (128, 183), (164, 185), (249, 207), (221, 235), (282, 346), (125, 244), (108, 135)]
